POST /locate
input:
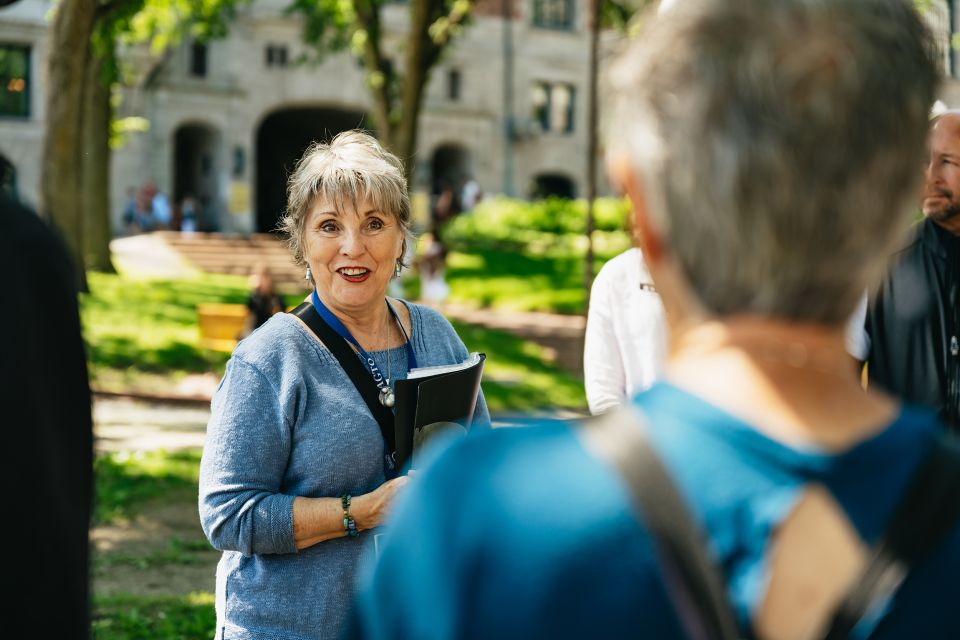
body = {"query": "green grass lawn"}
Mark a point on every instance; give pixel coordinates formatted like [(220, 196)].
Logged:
[(143, 334), (548, 277), (125, 480), (187, 617)]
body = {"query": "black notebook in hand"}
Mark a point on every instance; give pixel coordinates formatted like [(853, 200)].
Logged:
[(435, 399)]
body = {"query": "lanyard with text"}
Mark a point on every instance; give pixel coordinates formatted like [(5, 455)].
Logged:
[(344, 333)]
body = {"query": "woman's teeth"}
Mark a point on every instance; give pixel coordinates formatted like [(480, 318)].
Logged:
[(353, 272)]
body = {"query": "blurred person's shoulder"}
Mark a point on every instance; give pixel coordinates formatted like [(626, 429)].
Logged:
[(531, 473), (623, 271), (22, 226)]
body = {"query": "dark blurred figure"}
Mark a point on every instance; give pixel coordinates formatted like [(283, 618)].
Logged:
[(263, 301), (769, 151), (48, 434), (913, 322)]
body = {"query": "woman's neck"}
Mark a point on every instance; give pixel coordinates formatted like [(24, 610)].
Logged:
[(794, 382), (371, 326)]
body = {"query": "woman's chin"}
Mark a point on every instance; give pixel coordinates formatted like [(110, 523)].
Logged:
[(356, 295)]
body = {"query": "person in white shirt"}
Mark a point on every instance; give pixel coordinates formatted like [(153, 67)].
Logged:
[(626, 339)]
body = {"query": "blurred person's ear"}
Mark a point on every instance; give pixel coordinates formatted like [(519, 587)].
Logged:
[(644, 233), (681, 304)]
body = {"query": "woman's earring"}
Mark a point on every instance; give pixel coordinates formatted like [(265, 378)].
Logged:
[(308, 276), (396, 269)]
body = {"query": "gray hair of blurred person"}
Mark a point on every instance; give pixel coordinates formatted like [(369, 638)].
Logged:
[(352, 168), (778, 145)]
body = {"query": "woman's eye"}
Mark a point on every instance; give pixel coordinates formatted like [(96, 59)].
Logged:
[(328, 227), (375, 224)]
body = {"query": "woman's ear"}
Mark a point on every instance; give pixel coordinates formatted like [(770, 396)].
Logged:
[(645, 233)]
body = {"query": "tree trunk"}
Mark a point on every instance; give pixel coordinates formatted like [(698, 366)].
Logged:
[(368, 15), (420, 59), (95, 167), (592, 135), (61, 182)]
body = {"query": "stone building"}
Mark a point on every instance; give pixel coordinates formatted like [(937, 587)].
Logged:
[(507, 105), (228, 119)]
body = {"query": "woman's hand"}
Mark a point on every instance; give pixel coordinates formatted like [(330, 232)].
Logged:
[(370, 509)]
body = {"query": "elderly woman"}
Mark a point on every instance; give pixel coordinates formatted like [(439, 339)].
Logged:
[(770, 151), (294, 476)]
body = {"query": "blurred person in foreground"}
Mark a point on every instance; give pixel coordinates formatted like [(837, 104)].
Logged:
[(913, 322), (294, 474), (769, 151), (48, 432)]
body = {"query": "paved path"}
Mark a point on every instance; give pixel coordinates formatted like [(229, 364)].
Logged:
[(123, 424)]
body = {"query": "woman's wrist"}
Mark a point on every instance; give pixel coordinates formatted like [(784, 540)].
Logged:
[(349, 524), (359, 509)]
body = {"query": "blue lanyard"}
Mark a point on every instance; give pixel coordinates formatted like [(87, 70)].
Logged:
[(344, 333)]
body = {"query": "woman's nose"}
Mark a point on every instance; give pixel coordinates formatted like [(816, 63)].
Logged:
[(352, 244)]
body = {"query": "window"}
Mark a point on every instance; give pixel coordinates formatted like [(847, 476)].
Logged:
[(14, 81), (553, 14), (553, 106), (276, 55), (453, 85), (198, 60)]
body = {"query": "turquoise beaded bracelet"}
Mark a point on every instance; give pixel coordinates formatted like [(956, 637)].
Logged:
[(349, 525)]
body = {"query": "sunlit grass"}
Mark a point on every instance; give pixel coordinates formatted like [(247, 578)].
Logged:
[(125, 481), (143, 334), (187, 617)]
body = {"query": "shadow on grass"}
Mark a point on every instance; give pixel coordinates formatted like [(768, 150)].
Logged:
[(121, 352)]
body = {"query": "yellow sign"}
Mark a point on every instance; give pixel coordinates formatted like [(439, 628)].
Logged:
[(239, 198)]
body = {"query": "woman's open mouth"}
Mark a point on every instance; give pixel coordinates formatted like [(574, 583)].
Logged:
[(354, 274)]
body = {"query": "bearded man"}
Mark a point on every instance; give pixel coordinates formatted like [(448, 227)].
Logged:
[(913, 322)]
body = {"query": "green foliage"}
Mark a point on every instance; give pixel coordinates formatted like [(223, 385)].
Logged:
[(519, 221), (124, 481), (188, 617), (165, 23), (329, 25)]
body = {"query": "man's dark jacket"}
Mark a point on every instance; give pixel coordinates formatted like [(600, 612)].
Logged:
[(47, 433), (914, 324)]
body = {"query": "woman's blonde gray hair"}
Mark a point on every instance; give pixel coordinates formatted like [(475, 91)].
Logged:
[(353, 168), (779, 144)]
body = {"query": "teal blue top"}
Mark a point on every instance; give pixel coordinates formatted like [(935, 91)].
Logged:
[(287, 421), (519, 533)]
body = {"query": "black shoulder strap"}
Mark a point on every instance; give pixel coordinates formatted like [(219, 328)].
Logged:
[(923, 518), (695, 584), (926, 514), (353, 368)]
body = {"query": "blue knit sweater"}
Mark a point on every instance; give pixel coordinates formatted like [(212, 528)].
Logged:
[(287, 421)]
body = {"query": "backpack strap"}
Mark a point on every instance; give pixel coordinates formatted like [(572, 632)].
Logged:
[(920, 523), (922, 520), (355, 371), (695, 584)]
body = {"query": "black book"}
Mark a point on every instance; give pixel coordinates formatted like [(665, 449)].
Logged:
[(435, 399)]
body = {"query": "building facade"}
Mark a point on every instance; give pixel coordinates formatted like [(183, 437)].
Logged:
[(226, 120)]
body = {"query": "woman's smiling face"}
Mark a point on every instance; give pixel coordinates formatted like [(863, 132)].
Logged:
[(352, 254)]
